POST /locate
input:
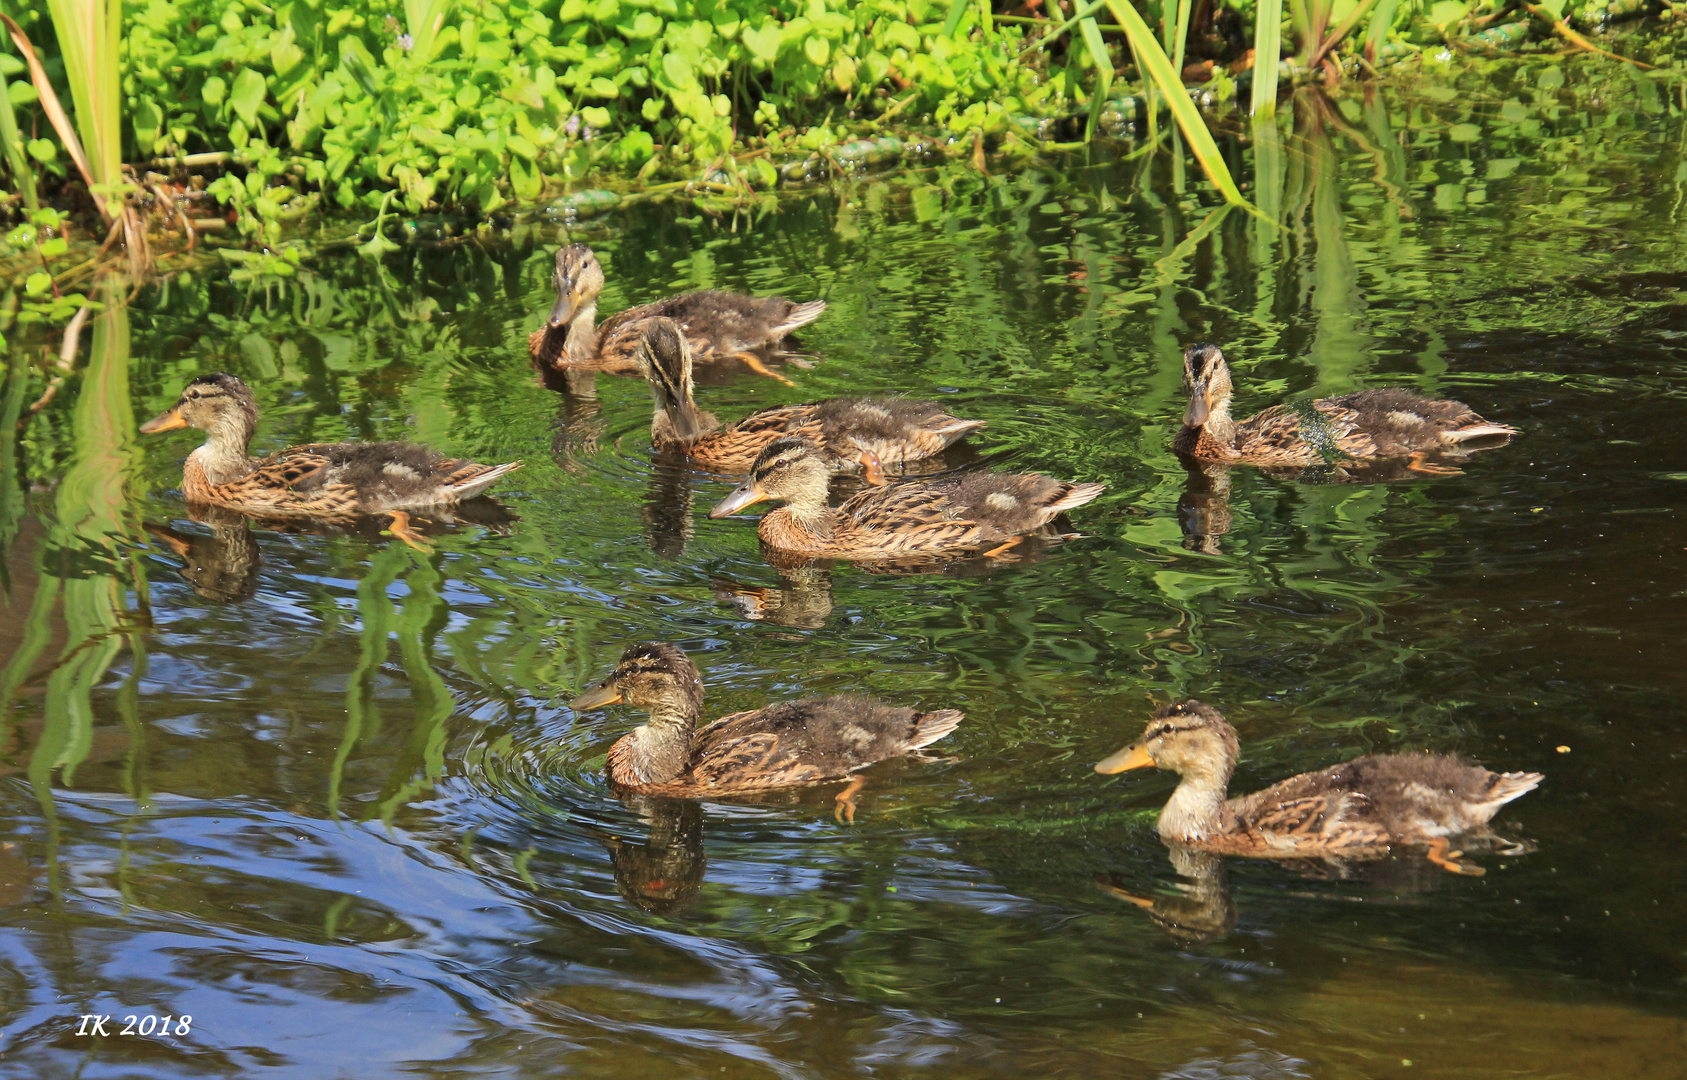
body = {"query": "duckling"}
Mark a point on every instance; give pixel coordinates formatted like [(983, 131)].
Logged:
[(1361, 805), (1387, 423), (789, 744), (896, 430), (720, 325), (956, 514), (318, 480)]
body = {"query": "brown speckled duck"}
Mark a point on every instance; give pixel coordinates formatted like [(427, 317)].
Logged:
[(1389, 423), (719, 325), (318, 480), (1366, 804), (786, 745), (896, 430), (970, 512)]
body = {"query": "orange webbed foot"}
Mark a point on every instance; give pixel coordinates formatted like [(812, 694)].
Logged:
[(1419, 463), (401, 529), (845, 809), (1441, 856)]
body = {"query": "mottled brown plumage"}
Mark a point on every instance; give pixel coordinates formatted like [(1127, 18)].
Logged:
[(718, 325), (1364, 804), (785, 745), (962, 513), (896, 430), (1388, 423), (318, 480)]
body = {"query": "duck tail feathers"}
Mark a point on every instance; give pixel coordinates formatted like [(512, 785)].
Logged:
[(931, 726), (800, 315), (1076, 496), (470, 486)]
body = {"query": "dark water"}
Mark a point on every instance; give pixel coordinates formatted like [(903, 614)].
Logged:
[(319, 792)]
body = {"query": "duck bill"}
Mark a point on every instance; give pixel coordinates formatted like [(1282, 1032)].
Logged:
[(1131, 757), (567, 300), (168, 420), (748, 494), (1200, 407), (595, 698)]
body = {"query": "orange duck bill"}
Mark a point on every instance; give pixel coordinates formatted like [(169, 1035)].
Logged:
[(168, 420), (595, 698), (748, 494), (1131, 757)]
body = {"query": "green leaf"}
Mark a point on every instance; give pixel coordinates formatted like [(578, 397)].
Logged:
[(524, 180), (1153, 59), (522, 147), (957, 8), (763, 42), (645, 25), (38, 283), (678, 70), (42, 150), (248, 94), (214, 90), (818, 50), (595, 116), (54, 247)]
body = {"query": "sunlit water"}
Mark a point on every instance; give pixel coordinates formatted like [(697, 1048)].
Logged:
[(320, 793)]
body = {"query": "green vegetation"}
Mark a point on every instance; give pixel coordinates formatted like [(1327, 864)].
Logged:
[(261, 115)]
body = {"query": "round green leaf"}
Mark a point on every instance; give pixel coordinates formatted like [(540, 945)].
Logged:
[(42, 150), (38, 283), (818, 50), (214, 90)]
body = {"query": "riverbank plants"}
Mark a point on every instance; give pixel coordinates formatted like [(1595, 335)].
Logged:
[(253, 116)]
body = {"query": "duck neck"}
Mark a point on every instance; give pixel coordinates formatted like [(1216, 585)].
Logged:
[(662, 749), (580, 346), (808, 514), (221, 460), (663, 431), (1197, 810), (1215, 438)]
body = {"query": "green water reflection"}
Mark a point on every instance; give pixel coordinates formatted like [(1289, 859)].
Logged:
[(318, 790)]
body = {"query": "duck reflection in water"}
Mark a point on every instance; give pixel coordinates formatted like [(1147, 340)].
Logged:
[(223, 565), (1201, 911), (662, 874)]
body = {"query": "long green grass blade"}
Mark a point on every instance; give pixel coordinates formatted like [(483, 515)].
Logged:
[(22, 175), (1381, 19), (1268, 51), (1180, 39), (1103, 72), (1152, 59)]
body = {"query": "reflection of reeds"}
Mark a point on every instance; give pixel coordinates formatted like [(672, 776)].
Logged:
[(82, 576), (422, 761)]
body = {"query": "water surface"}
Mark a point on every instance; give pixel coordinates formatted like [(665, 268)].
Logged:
[(320, 792)]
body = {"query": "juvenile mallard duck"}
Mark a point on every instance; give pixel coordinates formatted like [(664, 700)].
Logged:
[(719, 325), (1389, 423), (956, 514), (1361, 805), (785, 745), (318, 480), (896, 430)]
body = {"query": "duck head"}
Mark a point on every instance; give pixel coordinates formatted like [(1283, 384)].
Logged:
[(1207, 379), (218, 404), (650, 675), (1186, 737), (664, 359), (790, 470), (578, 279)]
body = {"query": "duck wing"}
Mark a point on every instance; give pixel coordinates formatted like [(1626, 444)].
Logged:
[(800, 742), (372, 477)]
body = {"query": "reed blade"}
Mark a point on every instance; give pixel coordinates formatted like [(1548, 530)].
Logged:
[(1153, 60), (1268, 52)]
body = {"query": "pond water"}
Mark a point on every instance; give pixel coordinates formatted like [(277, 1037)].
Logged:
[(321, 793)]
